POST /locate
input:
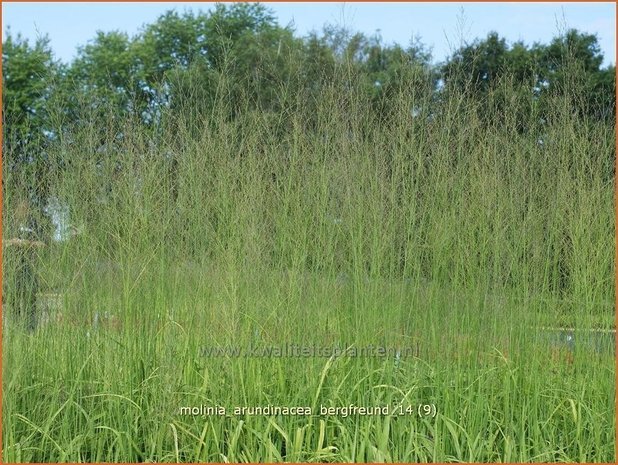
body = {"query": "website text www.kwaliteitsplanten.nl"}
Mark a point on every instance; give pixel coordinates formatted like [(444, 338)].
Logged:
[(292, 350)]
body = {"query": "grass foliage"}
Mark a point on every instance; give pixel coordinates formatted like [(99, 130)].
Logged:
[(448, 227)]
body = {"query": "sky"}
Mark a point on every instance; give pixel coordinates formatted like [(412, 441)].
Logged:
[(441, 26)]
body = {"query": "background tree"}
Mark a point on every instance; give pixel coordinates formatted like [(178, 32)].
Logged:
[(572, 63), (28, 74), (236, 59)]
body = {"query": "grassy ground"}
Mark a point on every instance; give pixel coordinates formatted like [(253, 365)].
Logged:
[(442, 241)]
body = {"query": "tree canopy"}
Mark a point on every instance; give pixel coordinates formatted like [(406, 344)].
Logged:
[(238, 59)]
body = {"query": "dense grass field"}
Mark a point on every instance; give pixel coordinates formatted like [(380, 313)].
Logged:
[(405, 262)]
